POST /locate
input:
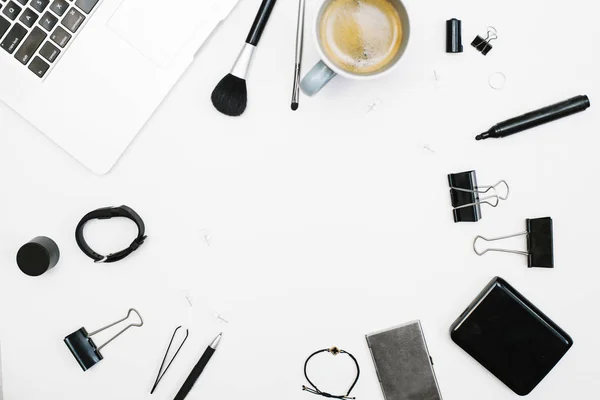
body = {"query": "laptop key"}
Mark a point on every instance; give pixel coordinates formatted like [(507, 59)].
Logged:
[(86, 5), (73, 20), (4, 25), (22, 1), (59, 7), (30, 45), (48, 21), (40, 5), (60, 37), (13, 38), (39, 67), (12, 10), (50, 52), (28, 17)]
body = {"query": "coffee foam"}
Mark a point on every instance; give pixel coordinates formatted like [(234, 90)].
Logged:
[(361, 36)]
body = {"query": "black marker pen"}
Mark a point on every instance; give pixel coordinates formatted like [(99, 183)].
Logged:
[(536, 118)]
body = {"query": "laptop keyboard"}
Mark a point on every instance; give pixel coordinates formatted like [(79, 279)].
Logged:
[(37, 31)]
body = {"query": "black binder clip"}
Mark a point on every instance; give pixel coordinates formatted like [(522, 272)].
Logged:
[(464, 194), (483, 45), (85, 350), (540, 243)]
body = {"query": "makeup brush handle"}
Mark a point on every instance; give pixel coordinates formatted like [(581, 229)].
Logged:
[(260, 22)]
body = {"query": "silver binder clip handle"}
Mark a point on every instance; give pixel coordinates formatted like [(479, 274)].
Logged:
[(484, 190), (139, 324), (492, 34), (495, 189), (480, 253)]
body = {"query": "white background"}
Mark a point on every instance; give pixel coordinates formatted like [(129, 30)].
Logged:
[(310, 229)]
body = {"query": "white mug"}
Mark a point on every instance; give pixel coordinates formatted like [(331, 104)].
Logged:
[(325, 70)]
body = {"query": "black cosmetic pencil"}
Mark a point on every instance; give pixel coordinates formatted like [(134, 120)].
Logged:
[(536, 118), (299, 48), (195, 374)]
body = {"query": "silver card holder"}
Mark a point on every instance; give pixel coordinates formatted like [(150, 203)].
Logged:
[(403, 364)]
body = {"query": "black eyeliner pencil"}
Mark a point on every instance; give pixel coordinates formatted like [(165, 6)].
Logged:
[(195, 374), (299, 49)]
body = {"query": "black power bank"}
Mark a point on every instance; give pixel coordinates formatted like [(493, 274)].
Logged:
[(510, 337)]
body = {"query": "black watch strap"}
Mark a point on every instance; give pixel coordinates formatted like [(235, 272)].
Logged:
[(108, 213)]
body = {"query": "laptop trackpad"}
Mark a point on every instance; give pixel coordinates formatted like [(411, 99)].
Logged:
[(159, 29)]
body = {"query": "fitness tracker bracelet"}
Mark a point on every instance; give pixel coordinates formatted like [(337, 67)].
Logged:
[(108, 213)]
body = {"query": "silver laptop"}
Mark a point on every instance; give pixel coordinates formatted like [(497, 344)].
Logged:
[(1, 395), (90, 73)]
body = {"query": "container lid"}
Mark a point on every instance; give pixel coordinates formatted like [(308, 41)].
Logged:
[(454, 36), (38, 256)]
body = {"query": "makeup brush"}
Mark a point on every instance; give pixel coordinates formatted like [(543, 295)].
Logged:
[(299, 47), (231, 95)]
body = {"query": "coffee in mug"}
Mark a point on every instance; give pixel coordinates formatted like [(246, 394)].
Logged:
[(361, 36), (357, 39)]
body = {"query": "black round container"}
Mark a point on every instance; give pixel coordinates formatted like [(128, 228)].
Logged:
[(38, 256), (454, 36)]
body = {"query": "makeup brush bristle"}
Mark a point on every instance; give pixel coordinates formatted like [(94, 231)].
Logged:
[(230, 95)]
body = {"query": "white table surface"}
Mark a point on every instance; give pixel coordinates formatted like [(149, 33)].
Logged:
[(310, 229)]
